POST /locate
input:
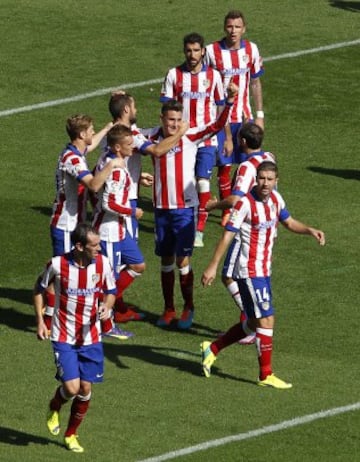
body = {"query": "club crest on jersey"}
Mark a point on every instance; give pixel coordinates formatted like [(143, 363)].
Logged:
[(246, 59), (96, 278), (206, 83)]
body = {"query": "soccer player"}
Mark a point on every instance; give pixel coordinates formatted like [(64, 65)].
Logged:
[(256, 218), (112, 208), (239, 59), (122, 107), (79, 278), (175, 198), (250, 138), (199, 89), (73, 181)]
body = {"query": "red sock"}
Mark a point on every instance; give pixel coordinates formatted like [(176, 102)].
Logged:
[(202, 213), (187, 288), (106, 325), (167, 285), (264, 347), (125, 279), (224, 181), (233, 335), (243, 316), (58, 400), (79, 408)]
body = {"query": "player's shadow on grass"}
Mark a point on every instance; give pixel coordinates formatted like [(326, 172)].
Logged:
[(196, 329), (344, 5), (43, 210), (17, 438), (181, 360), (347, 174), (12, 317)]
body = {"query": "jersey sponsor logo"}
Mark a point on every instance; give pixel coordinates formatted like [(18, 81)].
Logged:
[(266, 224), (82, 292), (230, 72), (174, 150), (195, 94)]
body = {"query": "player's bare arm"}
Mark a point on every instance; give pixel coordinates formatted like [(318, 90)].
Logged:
[(256, 91), (99, 136), (96, 182), (39, 303), (160, 149), (298, 227), (209, 274)]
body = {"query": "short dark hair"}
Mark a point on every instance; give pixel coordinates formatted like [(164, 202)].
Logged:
[(117, 133), (117, 104), (252, 133), (194, 37), (81, 232), (234, 14), (171, 105), (267, 166)]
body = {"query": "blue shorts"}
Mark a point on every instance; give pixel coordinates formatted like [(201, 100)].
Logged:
[(236, 157), (205, 161), (84, 362), (174, 232), (256, 297), (61, 241), (125, 252)]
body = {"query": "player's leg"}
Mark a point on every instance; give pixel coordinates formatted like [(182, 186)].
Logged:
[(184, 229), (205, 160), (257, 300), (165, 249), (132, 258), (91, 370)]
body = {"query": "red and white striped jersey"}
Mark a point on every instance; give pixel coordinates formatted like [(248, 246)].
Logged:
[(256, 222), (242, 65), (133, 163), (199, 94), (69, 206), (113, 205), (245, 175), (77, 290), (174, 172)]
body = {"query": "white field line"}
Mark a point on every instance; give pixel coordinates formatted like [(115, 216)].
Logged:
[(125, 86), (255, 433)]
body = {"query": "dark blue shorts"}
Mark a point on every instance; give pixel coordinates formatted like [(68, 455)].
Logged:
[(125, 252), (174, 232), (256, 297), (205, 161), (85, 362), (237, 157)]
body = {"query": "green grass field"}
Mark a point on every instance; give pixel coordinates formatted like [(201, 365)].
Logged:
[(154, 400)]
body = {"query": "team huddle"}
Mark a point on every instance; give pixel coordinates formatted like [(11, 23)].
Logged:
[(206, 122)]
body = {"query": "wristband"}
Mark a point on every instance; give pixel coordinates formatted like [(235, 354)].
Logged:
[(259, 114)]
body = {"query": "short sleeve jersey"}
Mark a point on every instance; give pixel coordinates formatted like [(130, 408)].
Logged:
[(241, 65), (69, 206), (77, 291), (256, 221)]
